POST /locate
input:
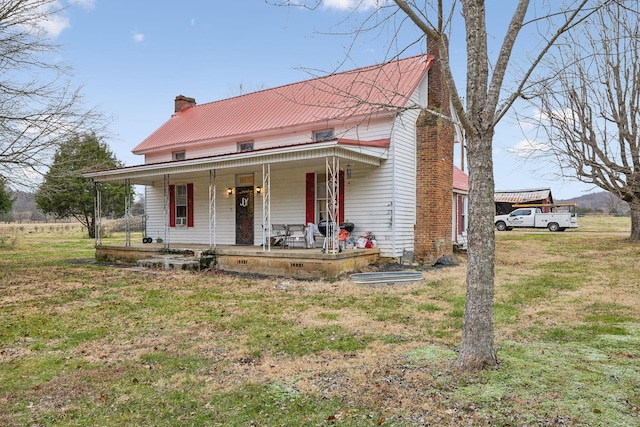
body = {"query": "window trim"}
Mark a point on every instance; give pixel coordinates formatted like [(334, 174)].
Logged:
[(181, 201), (173, 206)]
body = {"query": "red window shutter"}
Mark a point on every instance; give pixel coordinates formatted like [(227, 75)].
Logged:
[(459, 207), (310, 198), (172, 205), (190, 205), (341, 197)]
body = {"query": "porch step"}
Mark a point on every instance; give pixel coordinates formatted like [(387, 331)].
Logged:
[(171, 262)]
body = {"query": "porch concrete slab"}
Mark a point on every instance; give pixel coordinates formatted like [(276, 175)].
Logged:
[(290, 262)]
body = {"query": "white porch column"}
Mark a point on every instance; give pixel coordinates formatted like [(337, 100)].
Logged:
[(266, 207), (166, 211), (127, 212), (97, 213), (212, 209), (333, 197)]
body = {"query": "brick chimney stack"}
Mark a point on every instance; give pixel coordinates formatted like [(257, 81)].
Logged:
[(434, 156), (183, 102)]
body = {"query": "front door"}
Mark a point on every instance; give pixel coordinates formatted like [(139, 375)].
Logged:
[(244, 216)]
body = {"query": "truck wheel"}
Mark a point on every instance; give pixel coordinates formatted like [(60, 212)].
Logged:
[(553, 226), (501, 226)]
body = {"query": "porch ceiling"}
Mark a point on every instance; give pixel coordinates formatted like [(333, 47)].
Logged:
[(284, 157)]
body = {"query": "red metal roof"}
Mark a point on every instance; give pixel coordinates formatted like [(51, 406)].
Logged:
[(460, 179), (337, 96)]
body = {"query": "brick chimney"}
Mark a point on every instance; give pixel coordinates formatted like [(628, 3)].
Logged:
[(434, 181), (183, 102)]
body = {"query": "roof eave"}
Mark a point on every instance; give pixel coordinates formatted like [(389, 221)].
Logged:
[(143, 174)]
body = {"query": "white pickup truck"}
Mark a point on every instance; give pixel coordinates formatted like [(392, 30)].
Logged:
[(534, 218)]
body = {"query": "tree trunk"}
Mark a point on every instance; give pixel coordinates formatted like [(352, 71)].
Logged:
[(91, 227), (634, 209), (477, 351)]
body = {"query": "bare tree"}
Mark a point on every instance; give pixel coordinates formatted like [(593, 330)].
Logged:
[(590, 108), (614, 205), (39, 105), (487, 99)]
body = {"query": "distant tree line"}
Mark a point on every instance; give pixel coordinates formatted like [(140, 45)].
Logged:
[(23, 209)]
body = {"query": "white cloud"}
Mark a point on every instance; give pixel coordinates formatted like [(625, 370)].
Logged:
[(55, 24), (52, 19), (137, 37), (527, 149), (352, 4), (86, 4)]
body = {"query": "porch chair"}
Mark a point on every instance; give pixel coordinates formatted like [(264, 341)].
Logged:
[(296, 233), (279, 235)]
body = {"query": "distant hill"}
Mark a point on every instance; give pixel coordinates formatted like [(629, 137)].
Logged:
[(601, 202)]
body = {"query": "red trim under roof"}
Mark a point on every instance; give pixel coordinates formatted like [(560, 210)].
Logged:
[(384, 87), (379, 143)]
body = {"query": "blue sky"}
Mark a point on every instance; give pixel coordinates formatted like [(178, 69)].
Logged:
[(133, 57)]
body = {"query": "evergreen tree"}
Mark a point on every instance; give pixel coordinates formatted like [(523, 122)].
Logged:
[(66, 193), (5, 198)]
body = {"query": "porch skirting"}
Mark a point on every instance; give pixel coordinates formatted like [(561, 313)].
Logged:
[(294, 262)]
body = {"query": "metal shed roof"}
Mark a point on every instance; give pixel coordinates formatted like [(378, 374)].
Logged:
[(521, 196)]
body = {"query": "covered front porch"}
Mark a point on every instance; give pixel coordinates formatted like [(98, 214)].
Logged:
[(241, 198), (291, 262)]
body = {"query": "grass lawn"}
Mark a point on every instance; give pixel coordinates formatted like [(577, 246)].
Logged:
[(88, 344)]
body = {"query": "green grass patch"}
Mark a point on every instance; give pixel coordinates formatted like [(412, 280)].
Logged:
[(88, 344), (429, 307)]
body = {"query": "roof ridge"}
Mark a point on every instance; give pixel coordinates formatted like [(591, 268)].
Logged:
[(367, 67)]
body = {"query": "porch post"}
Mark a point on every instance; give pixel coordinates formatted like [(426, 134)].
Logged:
[(97, 213), (127, 212), (212, 209), (166, 211), (333, 197), (266, 207)]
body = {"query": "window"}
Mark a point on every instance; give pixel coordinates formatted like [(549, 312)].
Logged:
[(321, 197), (323, 135), (181, 204), (179, 155), (316, 197), (245, 146)]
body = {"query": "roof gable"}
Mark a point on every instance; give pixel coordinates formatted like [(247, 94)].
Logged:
[(360, 92)]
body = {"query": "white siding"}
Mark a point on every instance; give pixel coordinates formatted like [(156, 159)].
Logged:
[(377, 199)]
